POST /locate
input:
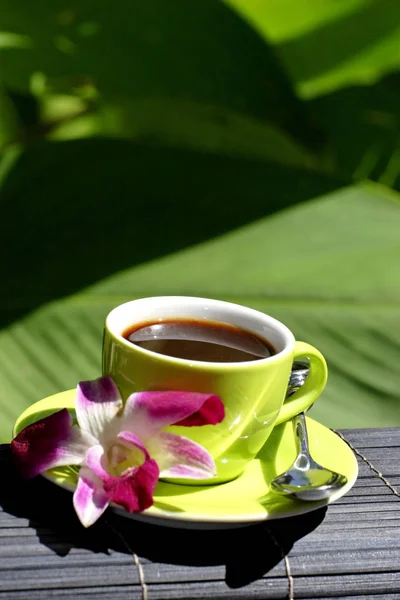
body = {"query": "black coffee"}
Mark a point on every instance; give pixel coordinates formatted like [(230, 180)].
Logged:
[(194, 339)]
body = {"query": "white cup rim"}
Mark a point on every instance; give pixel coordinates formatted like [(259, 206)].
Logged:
[(144, 310)]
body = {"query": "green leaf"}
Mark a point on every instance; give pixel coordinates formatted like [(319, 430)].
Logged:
[(10, 126), (193, 51), (329, 45), (191, 125), (172, 73), (281, 20), (363, 125), (75, 200), (137, 221)]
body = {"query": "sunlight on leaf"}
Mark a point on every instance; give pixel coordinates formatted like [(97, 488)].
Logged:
[(329, 45), (201, 127), (281, 20), (14, 40)]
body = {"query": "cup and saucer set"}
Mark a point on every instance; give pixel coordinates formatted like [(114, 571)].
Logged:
[(194, 398)]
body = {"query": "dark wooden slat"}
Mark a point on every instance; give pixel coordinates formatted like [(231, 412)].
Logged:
[(358, 583), (134, 593), (120, 592), (370, 596), (373, 438), (349, 551), (54, 577), (273, 588), (370, 482)]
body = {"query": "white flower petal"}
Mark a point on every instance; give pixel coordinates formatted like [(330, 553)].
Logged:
[(95, 458), (97, 404), (177, 456), (90, 500)]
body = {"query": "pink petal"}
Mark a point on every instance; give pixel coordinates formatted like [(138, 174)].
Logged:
[(135, 488), (177, 456), (211, 412), (97, 404), (90, 499), (148, 412), (50, 442)]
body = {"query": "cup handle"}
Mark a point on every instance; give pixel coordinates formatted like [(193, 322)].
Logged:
[(313, 386)]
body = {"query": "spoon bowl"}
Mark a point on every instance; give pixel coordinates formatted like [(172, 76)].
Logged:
[(306, 479), (315, 483)]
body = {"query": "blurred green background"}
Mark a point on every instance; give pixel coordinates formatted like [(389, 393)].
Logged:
[(246, 150)]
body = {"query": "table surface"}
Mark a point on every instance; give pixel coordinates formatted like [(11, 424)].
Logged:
[(350, 550)]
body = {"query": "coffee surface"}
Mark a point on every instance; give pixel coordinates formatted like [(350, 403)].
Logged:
[(199, 340)]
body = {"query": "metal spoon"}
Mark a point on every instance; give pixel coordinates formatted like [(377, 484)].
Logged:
[(305, 479), (298, 375)]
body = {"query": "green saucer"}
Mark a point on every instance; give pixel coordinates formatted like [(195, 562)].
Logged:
[(241, 502)]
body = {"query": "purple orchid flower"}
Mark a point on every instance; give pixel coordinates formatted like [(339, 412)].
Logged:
[(122, 450)]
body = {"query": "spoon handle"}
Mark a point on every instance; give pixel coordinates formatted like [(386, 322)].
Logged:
[(300, 432)]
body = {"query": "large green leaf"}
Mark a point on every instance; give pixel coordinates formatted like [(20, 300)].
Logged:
[(137, 221), (76, 212)]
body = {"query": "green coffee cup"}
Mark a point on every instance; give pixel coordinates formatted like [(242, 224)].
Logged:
[(253, 391)]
